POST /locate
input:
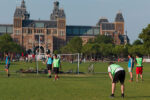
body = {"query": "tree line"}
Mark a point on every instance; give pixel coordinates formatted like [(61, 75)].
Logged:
[(7, 45), (103, 46)]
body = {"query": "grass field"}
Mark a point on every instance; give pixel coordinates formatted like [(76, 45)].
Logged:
[(70, 87)]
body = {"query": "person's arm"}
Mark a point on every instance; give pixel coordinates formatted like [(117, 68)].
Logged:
[(46, 59), (109, 72), (52, 66), (60, 64), (110, 76), (131, 63)]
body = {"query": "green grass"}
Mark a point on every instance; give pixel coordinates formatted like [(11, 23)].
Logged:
[(69, 87)]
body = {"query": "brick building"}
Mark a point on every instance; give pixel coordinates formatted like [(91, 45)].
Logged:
[(54, 33)]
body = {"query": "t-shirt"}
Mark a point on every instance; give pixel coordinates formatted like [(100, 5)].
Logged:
[(7, 60), (50, 60), (130, 62), (114, 68), (56, 63), (139, 62)]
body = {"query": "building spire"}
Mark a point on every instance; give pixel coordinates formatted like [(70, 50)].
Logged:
[(23, 4)]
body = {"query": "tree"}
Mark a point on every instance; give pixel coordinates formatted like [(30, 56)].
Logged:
[(136, 50), (145, 36), (75, 45), (103, 39), (8, 45), (120, 50), (137, 42)]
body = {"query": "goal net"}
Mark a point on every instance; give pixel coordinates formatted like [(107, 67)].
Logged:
[(69, 63)]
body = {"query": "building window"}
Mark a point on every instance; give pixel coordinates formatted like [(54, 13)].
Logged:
[(61, 33), (54, 31), (17, 32), (48, 31), (29, 31)]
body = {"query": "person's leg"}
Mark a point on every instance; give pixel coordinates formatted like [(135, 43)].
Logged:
[(137, 77), (55, 76), (131, 76), (122, 88), (141, 73), (113, 88), (141, 77), (137, 74)]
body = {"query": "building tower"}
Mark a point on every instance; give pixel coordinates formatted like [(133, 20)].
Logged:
[(119, 23), (58, 15), (19, 15)]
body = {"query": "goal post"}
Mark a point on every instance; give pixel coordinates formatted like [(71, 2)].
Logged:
[(70, 62), (71, 58)]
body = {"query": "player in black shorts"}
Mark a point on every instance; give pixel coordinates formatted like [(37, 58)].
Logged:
[(116, 73), (49, 62)]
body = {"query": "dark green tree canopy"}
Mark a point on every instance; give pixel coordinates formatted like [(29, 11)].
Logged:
[(103, 39), (137, 42)]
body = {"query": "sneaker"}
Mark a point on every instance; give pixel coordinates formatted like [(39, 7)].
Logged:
[(112, 96), (130, 80), (8, 75), (122, 95)]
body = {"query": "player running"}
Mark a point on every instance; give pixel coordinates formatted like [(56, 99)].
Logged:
[(56, 65), (116, 73), (49, 62), (130, 67), (139, 68), (7, 64)]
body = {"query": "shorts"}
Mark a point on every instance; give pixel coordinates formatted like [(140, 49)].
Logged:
[(56, 70), (49, 66), (119, 76), (130, 70), (7, 66), (139, 70)]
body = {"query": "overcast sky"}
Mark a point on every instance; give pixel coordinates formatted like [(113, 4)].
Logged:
[(85, 12)]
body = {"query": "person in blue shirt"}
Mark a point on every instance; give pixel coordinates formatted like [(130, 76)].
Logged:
[(130, 67), (49, 62), (7, 64)]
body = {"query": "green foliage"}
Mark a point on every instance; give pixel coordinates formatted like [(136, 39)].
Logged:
[(120, 50), (145, 36), (57, 52), (137, 42), (74, 46), (103, 39), (136, 50), (7, 45)]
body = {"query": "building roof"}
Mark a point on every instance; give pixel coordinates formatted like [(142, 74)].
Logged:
[(108, 26), (102, 20), (57, 12), (21, 11), (82, 30), (119, 17), (124, 39), (39, 23)]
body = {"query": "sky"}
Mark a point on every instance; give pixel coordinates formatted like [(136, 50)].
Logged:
[(85, 12)]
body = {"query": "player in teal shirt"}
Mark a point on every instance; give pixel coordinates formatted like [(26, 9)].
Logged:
[(7, 64), (130, 67), (49, 62)]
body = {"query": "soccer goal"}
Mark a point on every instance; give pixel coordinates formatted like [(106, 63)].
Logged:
[(70, 63)]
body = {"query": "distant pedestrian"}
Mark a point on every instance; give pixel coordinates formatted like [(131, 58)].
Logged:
[(49, 62), (56, 66), (130, 67), (7, 64), (139, 68)]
